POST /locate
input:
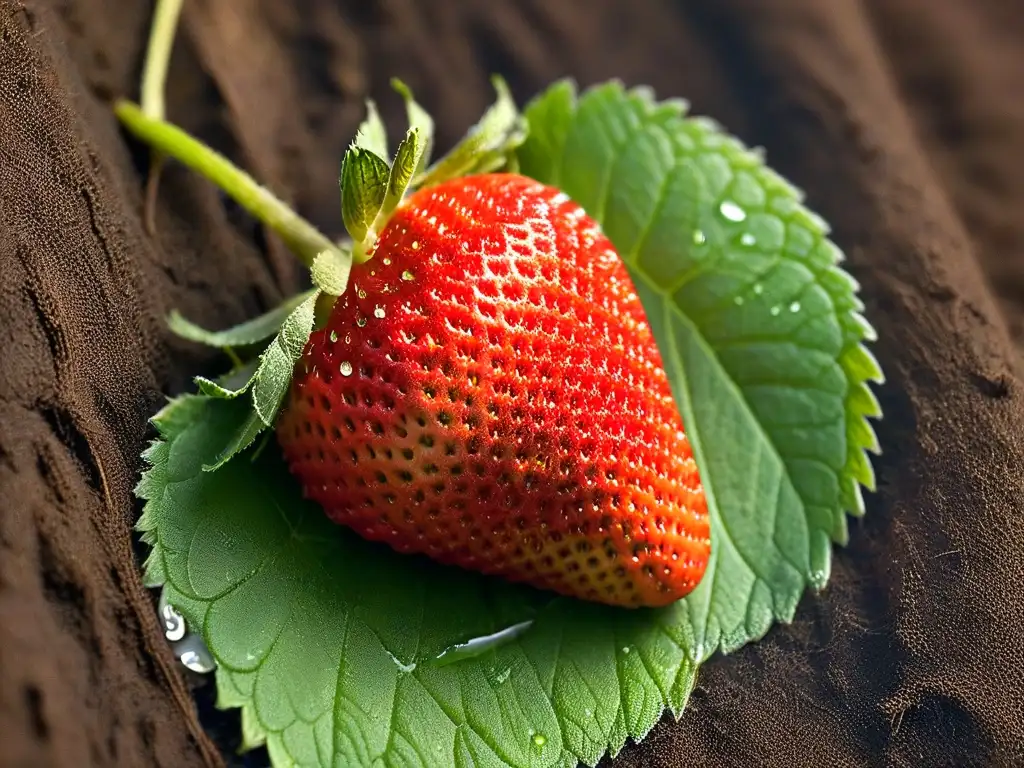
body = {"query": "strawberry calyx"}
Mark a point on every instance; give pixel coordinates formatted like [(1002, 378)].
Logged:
[(373, 186)]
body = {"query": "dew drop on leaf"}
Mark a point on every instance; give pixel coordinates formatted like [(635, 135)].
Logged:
[(732, 212), (774, 311), (794, 307), (174, 622), (748, 239), (192, 652), (539, 740), (699, 238)]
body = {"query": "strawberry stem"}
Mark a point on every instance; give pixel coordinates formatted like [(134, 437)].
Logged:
[(305, 240), (158, 55), (154, 78)]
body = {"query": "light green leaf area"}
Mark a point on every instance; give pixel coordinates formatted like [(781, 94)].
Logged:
[(760, 332), (332, 646)]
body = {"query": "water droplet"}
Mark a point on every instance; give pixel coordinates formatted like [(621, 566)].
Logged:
[(774, 311), (589, 713), (502, 676), (346, 368), (403, 668), (758, 289), (699, 238), (539, 740), (387, 261), (194, 655), (174, 623), (738, 300), (334, 336), (361, 321), (378, 312), (794, 307), (731, 211), (748, 239), (626, 649), (408, 276), (479, 645), (415, 245)]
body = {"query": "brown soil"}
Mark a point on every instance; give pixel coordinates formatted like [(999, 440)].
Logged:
[(902, 119)]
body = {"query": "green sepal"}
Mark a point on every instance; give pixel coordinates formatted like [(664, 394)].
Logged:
[(487, 146), (232, 384), (407, 159), (419, 119), (330, 273), (372, 134), (277, 362), (250, 332), (364, 182)]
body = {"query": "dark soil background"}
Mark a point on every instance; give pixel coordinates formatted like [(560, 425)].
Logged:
[(902, 119)]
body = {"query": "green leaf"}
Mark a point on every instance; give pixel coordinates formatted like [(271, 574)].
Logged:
[(364, 181), (488, 144), (250, 332), (372, 135), (759, 329), (330, 644), (420, 120)]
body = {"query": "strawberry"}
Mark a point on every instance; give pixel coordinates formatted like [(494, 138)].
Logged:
[(488, 393)]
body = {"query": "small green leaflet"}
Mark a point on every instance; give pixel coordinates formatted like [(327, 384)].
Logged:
[(329, 644)]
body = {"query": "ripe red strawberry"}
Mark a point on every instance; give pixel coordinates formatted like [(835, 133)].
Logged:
[(488, 393)]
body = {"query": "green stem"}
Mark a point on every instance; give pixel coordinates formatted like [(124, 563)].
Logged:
[(305, 240), (158, 56)]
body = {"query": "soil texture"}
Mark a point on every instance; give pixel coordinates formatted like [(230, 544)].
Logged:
[(903, 120)]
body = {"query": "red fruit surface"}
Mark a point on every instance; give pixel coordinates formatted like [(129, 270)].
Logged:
[(488, 393)]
